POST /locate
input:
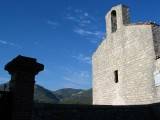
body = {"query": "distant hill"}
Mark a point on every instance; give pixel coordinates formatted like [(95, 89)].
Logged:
[(66, 92), (61, 96), (43, 95), (82, 97)]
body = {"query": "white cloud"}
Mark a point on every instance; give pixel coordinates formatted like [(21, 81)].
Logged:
[(78, 11), (78, 78), (86, 14), (83, 58), (72, 18), (86, 32), (92, 36), (79, 17), (85, 25), (9, 44), (53, 24), (3, 42)]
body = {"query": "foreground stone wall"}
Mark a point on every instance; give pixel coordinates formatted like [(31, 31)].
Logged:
[(90, 112)]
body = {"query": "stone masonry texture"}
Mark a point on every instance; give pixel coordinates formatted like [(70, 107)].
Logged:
[(133, 50)]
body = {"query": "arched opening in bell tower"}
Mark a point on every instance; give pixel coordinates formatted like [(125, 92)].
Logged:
[(113, 21)]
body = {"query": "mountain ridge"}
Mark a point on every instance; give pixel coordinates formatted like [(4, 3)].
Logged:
[(60, 96)]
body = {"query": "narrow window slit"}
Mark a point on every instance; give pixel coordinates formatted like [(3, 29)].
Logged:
[(116, 76)]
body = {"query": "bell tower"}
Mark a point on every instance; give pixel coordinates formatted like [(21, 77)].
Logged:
[(116, 18)]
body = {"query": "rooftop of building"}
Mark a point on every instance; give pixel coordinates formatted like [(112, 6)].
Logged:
[(145, 23)]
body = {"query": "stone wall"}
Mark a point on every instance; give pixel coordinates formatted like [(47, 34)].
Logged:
[(93, 112), (130, 50), (157, 98), (156, 39), (157, 80)]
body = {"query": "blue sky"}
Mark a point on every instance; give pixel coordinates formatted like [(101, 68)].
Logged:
[(61, 34)]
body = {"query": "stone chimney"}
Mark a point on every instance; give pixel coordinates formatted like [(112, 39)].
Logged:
[(22, 70)]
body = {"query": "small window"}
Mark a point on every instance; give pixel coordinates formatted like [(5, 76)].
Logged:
[(116, 76), (114, 21)]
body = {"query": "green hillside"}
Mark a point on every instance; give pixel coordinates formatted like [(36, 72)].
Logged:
[(66, 92), (43, 95), (82, 97), (61, 96)]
